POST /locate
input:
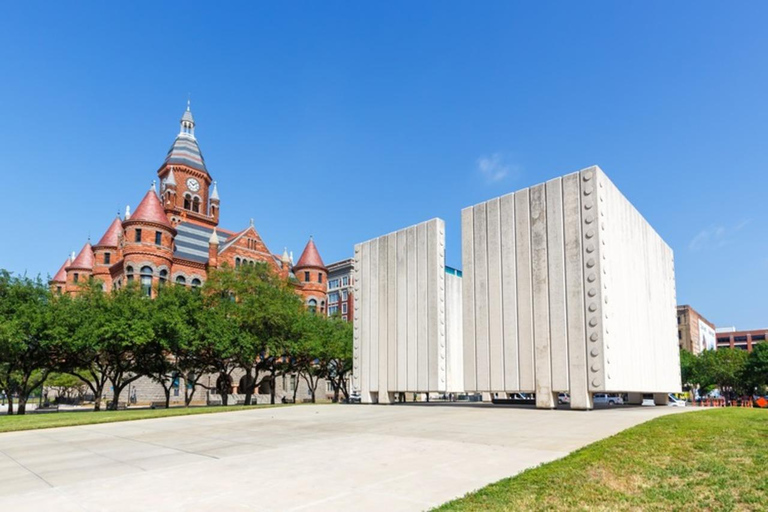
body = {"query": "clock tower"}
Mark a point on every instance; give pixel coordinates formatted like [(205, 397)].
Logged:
[(187, 192)]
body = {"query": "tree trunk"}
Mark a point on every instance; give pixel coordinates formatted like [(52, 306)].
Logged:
[(167, 397), (249, 384), (10, 404), (295, 389), (335, 394), (22, 408)]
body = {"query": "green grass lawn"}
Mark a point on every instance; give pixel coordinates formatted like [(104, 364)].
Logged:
[(66, 419), (710, 460)]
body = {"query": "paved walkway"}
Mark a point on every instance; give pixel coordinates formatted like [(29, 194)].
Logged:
[(324, 457)]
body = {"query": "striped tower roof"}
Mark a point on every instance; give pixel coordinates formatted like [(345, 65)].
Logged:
[(310, 257), (85, 259), (112, 234), (150, 210), (184, 150)]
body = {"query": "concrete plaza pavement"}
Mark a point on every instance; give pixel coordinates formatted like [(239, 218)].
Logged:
[(309, 457)]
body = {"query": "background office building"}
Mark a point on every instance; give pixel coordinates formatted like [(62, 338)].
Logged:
[(694, 332), (729, 337), (340, 282)]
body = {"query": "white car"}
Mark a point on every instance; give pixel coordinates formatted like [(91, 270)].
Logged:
[(603, 398), (675, 402)]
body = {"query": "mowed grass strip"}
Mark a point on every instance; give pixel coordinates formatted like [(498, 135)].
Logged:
[(709, 460), (32, 421)]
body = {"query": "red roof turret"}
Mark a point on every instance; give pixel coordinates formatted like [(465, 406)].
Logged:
[(111, 236), (150, 210), (310, 257), (85, 259), (61, 275)]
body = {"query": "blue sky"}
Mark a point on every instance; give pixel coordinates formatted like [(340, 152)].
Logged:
[(426, 107)]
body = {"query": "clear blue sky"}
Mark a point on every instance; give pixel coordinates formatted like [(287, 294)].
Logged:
[(427, 107)]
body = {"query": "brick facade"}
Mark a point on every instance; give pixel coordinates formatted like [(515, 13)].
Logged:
[(174, 236)]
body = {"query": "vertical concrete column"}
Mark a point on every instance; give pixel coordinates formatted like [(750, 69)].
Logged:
[(402, 311), (413, 313), (557, 309), (374, 314), (383, 321), (661, 398), (524, 290), (482, 352), (468, 297), (392, 320), (422, 347), (495, 298), (581, 398), (540, 284), (509, 292)]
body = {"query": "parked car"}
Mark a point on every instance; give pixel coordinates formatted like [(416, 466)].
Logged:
[(604, 398), (563, 398), (675, 402), (354, 397)]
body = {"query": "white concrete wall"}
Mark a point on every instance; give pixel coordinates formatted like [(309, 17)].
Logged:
[(400, 341), (453, 334), (539, 267)]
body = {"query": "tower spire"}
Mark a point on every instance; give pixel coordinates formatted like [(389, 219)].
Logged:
[(187, 123)]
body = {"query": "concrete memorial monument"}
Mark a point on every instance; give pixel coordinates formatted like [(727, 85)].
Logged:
[(401, 340), (567, 288)]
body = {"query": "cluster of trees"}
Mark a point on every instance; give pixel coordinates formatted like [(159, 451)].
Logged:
[(735, 372), (247, 319)]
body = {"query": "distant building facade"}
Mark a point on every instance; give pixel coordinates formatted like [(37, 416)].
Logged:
[(729, 337), (694, 332), (340, 285)]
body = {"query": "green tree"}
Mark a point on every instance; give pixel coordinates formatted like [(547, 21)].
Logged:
[(723, 368), (263, 310), (114, 338), (756, 368), (30, 336), (338, 356)]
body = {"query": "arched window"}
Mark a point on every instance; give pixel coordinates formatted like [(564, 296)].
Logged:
[(322, 306), (196, 282), (163, 277), (196, 205), (146, 280), (129, 273), (181, 280), (187, 201), (237, 263), (312, 305)]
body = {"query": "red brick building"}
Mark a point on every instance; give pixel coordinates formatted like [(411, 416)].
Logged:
[(729, 337), (174, 236)]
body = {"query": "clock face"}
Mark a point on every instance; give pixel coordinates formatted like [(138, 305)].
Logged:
[(193, 185)]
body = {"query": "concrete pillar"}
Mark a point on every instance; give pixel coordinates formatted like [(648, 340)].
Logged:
[(635, 398), (661, 398)]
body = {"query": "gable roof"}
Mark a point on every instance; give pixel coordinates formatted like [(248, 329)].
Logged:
[(310, 257), (112, 234), (150, 210)]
